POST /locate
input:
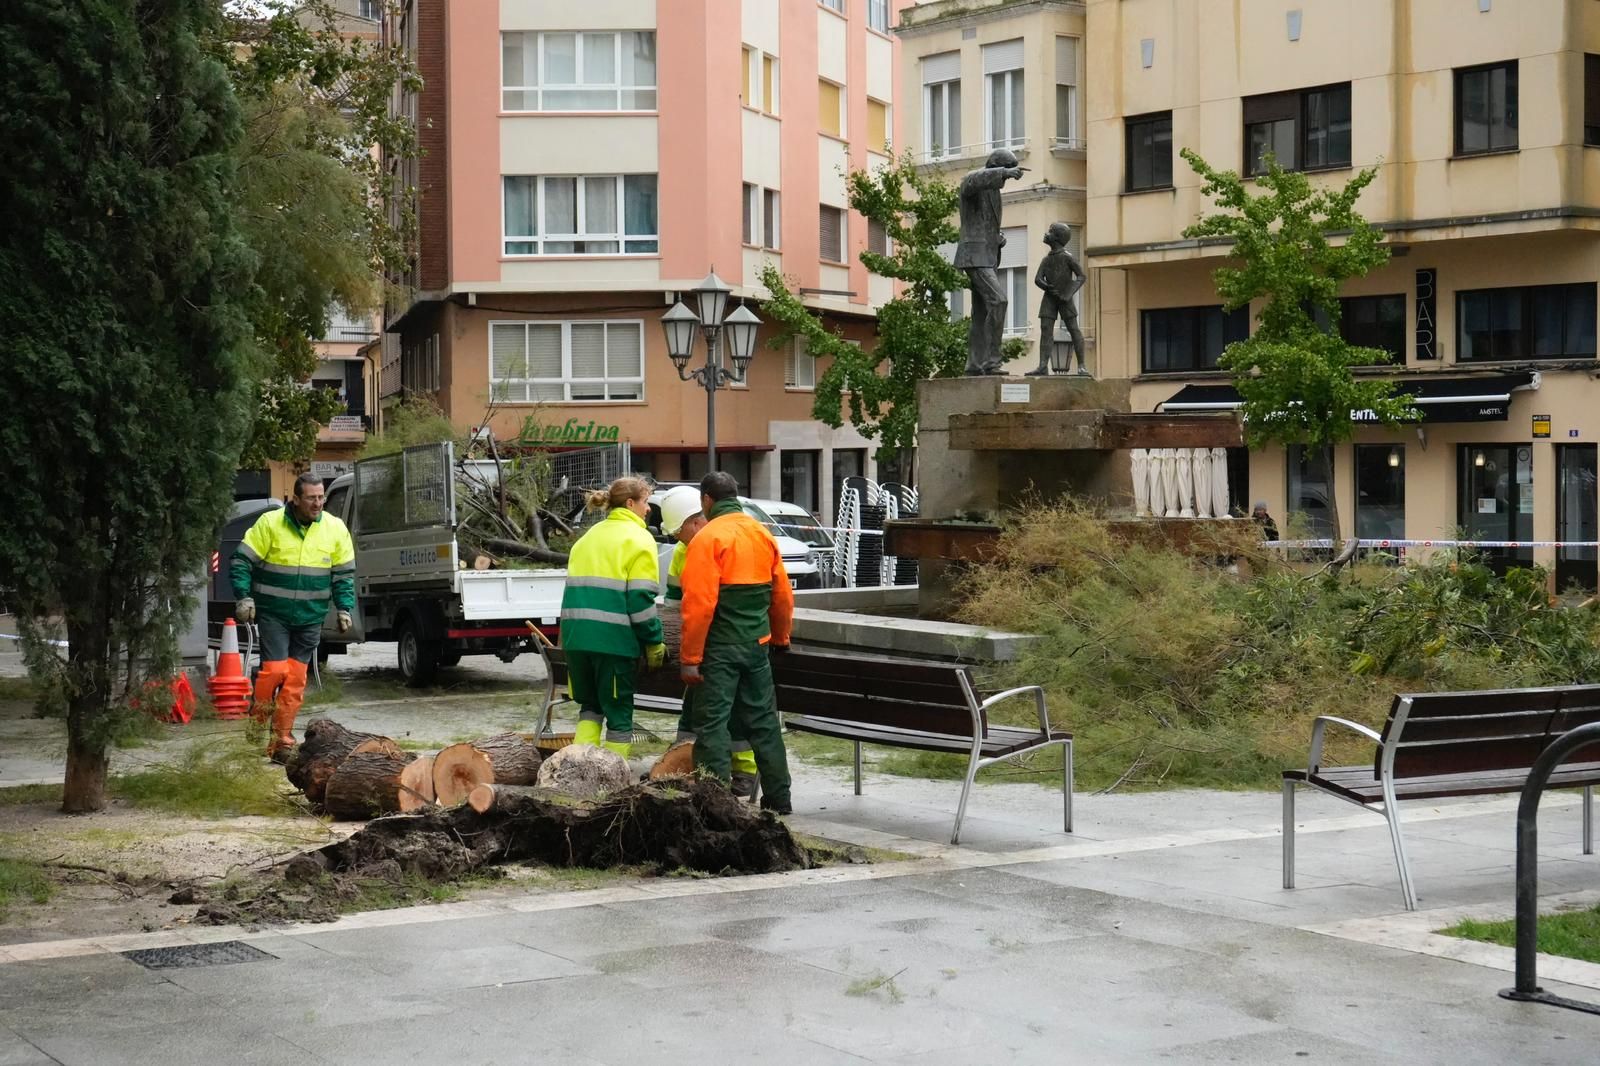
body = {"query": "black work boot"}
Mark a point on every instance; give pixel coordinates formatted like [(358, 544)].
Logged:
[(744, 787), (777, 805)]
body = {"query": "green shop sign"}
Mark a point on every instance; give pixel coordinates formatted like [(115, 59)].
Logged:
[(571, 432)]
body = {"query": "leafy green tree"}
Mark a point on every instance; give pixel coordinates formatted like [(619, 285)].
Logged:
[(313, 198), (877, 389), (126, 322), (1295, 376)]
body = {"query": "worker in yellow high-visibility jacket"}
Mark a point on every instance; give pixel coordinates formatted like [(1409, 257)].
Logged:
[(608, 614)]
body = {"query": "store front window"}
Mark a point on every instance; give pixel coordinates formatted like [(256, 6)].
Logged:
[(797, 479), (1310, 489), (1576, 518), (1381, 493), (1495, 500)]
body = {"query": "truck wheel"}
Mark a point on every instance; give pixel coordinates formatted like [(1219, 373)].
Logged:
[(419, 657), (449, 656)]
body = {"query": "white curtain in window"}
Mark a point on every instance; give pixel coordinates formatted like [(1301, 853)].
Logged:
[(561, 205), (519, 59), (600, 206), (599, 59), (639, 59), (560, 59)]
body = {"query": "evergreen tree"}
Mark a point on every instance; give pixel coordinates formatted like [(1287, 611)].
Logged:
[(126, 372)]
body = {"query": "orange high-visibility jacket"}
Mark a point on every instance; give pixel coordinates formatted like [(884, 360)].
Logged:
[(735, 590)]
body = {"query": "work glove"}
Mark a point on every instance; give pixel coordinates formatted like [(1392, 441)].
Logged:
[(689, 674), (779, 648), (245, 611), (655, 656), (343, 623)]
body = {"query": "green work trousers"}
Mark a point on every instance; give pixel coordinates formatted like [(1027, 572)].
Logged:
[(603, 685), (736, 699), (743, 757)]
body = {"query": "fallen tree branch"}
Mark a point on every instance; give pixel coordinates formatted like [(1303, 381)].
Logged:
[(525, 551)]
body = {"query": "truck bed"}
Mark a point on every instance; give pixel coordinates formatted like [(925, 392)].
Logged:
[(522, 595)]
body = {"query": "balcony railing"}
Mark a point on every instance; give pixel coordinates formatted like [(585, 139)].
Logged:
[(1068, 144), (939, 154)]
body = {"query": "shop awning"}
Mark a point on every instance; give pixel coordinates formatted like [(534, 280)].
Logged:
[(1440, 399)]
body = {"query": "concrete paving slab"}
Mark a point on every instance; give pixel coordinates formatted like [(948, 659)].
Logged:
[(15, 1051)]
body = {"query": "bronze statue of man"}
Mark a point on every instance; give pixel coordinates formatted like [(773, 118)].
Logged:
[(1060, 277), (979, 255)]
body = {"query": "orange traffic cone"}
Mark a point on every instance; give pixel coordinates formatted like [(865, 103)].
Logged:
[(230, 689)]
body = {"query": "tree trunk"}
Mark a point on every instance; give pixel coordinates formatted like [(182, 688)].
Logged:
[(84, 789), (514, 759), (457, 770), (366, 785), (416, 785), (524, 551), (485, 798), (1333, 500), (325, 746)]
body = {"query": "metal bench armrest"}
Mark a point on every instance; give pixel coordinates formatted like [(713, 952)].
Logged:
[(1320, 725), (1038, 696)]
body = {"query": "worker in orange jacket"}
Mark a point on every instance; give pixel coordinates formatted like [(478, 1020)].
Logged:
[(736, 603)]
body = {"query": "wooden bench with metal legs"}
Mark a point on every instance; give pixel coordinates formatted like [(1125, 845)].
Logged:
[(1441, 744)]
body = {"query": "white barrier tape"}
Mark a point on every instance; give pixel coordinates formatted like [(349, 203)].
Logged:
[(52, 643), (1366, 543)]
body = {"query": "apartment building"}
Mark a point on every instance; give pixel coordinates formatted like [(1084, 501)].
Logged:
[(585, 164), (985, 74), (1480, 116)]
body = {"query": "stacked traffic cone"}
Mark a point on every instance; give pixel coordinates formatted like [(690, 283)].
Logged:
[(230, 689)]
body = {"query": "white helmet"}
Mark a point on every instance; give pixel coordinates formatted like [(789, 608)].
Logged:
[(678, 505)]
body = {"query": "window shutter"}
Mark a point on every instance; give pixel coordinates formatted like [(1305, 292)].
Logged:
[(588, 350), (946, 66), (1006, 55), (749, 214), (828, 108), (1273, 107), (1015, 251), (791, 357), (1591, 90), (877, 126), (770, 219), (830, 233), (877, 237), (1066, 61), (544, 351), (508, 354), (624, 350)]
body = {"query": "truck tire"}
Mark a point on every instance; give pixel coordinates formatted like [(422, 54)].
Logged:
[(449, 656), (418, 656)]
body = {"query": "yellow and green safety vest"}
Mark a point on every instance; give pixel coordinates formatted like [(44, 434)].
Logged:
[(608, 605), (292, 571)]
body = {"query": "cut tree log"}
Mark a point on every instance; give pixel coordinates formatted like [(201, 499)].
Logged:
[(416, 784), (325, 746), (457, 770), (514, 758), (583, 771), (486, 798), (678, 761), (682, 823), (366, 785), (383, 744)]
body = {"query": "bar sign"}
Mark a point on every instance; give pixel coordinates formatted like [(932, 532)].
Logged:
[(1427, 309), (1541, 426)]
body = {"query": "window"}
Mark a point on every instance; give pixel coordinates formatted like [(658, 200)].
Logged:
[(370, 9), (557, 362), (1189, 338), (1372, 322), (771, 220), (1150, 152), (799, 367), (1015, 278), (830, 108), (831, 230), (878, 15), (877, 237), (941, 105), (1067, 135), (1591, 99), (1380, 491), (878, 126), (578, 71), (1532, 322), (1310, 488), (833, 5), (1308, 129), (613, 215), (1002, 70), (758, 86), (419, 364), (797, 478), (752, 213), (1486, 109), (1495, 500)]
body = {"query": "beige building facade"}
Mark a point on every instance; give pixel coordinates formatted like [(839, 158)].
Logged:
[(976, 77), (1482, 117)]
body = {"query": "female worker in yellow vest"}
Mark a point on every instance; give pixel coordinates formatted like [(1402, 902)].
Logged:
[(608, 614)]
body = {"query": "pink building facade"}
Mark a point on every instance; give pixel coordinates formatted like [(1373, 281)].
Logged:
[(586, 162)]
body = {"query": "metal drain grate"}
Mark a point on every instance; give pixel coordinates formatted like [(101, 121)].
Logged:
[(219, 954)]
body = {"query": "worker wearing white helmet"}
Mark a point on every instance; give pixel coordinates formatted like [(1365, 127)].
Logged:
[(681, 517)]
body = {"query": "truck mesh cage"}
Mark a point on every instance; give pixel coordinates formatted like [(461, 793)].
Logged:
[(409, 488)]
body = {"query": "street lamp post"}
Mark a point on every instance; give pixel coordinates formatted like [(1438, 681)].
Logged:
[(711, 298)]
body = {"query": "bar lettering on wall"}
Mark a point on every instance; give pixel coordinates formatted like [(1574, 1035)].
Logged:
[(1427, 308)]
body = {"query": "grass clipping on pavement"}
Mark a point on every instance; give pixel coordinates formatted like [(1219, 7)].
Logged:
[(1172, 671), (1573, 934), (225, 778)]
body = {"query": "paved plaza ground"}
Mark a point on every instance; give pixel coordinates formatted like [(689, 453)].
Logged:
[(1158, 932)]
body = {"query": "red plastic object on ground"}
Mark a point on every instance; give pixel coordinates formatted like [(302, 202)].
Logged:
[(230, 689)]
